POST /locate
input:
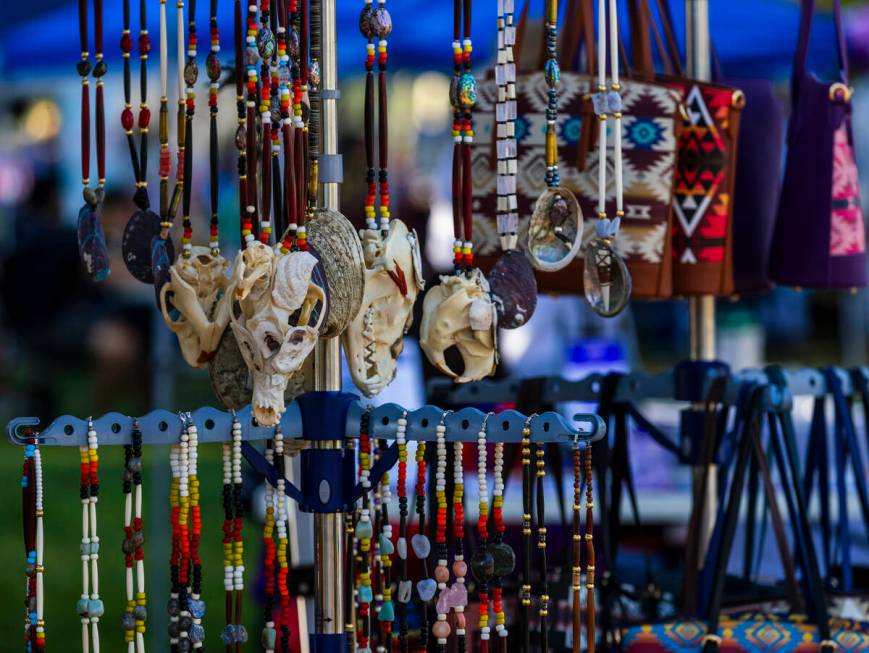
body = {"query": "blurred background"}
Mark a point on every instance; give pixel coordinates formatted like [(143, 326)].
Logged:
[(71, 346)]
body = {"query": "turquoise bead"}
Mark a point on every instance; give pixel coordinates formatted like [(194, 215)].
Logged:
[(386, 546), (387, 612), (365, 594)]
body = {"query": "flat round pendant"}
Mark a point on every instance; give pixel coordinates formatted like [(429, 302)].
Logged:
[(514, 289), (607, 281), (92, 247), (142, 227), (505, 558), (162, 255), (555, 230)]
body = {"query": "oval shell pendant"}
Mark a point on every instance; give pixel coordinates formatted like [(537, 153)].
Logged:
[(606, 280), (142, 227), (514, 289), (334, 241), (555, 230), (92, 247)]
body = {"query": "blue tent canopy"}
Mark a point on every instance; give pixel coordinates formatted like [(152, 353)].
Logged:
[(752, 37)]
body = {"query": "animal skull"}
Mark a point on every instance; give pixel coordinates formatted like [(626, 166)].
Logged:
[(275, 336), (252, 276), (459, 312), (195, 305), (393, 279)]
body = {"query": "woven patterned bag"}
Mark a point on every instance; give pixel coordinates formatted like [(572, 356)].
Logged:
[(651, 117)]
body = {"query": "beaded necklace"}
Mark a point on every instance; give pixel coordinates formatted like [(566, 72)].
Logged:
[(190, 75), (589, 554), (282, 561), (483, 563), (457, 598), (363, 533), (251, 58), (269, 632), (463, 97), (234, 632), (543, 611), (376, 23), (287, 64), (502, 553), (91, 239), (525, 590), (265, 41), (386, 611), (195, 606), (441, 628), (33, 512), (144, 224), (405, 586), (576, 570), (311, 40), (90, 607), (555, 229), (421, 545), (165, 155), (607, 282), (213, 70), (174, 604), (133, 619)]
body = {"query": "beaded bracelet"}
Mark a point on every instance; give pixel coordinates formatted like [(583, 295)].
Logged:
[(33, 512), (133, 619), (90, 607)]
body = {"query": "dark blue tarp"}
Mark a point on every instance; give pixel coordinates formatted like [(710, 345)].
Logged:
[(753, 37)]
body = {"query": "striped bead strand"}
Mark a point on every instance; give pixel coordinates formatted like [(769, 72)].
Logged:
[(504, 558), (459, 593), (364, 531), (196, 606), (282, 560), (441, 628), (268, 637), (482, 563), (405, 586), (505, 115), (133, 619), (386, 548)]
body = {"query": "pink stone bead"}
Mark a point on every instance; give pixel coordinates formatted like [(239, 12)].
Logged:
[(460, 568), (460, 620), (441, 629), (442, 574)]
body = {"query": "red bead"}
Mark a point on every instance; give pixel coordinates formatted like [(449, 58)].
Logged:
[(127, 119), (144, 117), (144, 44), (126, 42)]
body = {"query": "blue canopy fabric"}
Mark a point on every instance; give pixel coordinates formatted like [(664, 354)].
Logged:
[(752, 37)]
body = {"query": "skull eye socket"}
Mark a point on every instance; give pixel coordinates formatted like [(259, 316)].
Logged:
[(297, 336), (272, 343), (203, 259)]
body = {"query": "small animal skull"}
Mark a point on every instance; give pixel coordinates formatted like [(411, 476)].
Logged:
[(459, 312), (252, 276), (275, 337), (393, 279), (195, 305)]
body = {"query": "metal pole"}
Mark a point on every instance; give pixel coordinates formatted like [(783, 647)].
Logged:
[(701, 310), (328, 527)]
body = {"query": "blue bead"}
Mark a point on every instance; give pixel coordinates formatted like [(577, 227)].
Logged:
[(386, 546), (365, 594), (227, 635), (387, 612), (197, 634), (240, 633), (197, 608), (81, 607), (96, 608)]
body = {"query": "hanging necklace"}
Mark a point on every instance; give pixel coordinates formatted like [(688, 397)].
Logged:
[(405, 586), (386, 613), (363, 533), (91, 239), (90, 607), (421, 545), (555, 229), (525, 590), (191, 75), (133, 619), (195, 605), (541, 547), (441, 627), (234, 633), (511, 279), (607, 280), (440, 328), (144, 225), (251, 58), (265, 41), (502, 553), (457, 596), (269, 633), (213, 70), (34, 530), (174, 604), (483, 564), (287, 62), (576, 575), (282, 562), (589, 554)]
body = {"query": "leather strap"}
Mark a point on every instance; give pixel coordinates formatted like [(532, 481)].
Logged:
[(817, 473), (801, 53)]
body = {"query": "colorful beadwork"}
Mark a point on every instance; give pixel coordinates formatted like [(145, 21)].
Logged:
[(90, 606), (135, 614), (34, 533), (233, 633)]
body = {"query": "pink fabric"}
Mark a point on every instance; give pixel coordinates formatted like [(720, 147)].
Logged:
[(847, 231)]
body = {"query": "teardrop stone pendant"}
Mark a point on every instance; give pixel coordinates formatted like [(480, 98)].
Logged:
[(607, 281)]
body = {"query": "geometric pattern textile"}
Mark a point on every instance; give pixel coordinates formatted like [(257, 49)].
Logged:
[(651, 113)]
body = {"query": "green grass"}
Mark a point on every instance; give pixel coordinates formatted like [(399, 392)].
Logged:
[(63, 534)]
